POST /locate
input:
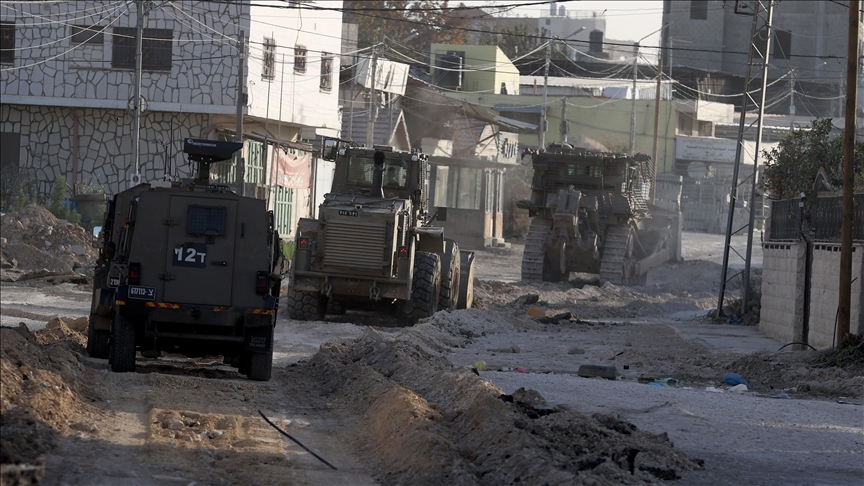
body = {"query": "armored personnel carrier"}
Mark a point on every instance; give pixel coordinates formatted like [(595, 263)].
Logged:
[(590, 215), (188, 267), (374, 241)]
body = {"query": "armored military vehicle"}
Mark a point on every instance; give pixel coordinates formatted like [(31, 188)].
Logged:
[(590, 215), (188, 267), (374, 242)]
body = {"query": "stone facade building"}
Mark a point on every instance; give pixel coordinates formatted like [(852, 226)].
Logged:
[(67, 85)]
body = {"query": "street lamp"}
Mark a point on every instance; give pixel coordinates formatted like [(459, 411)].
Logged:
[(633, 94)]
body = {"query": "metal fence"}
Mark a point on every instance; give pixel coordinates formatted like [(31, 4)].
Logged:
[(785, 220), (826, 218)]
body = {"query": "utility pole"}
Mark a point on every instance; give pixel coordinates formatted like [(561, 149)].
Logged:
[(656, 127), (136, 121), (563, 128), (633, 107), (543, 122), (241, 100), (845, 294), (373, 102)]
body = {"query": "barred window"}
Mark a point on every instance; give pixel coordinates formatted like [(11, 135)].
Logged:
[(326, 71), (82, 34), (299, 59), (7, 42), (156, 49), (268, 68)]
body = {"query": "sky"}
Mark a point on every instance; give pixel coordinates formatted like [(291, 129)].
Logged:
[(625, 20)]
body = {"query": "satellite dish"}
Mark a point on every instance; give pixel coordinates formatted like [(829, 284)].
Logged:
[(697, 170)]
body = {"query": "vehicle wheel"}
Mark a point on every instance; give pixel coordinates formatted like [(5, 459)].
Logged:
[(122, 353), (305, 306), (335, 307), (448, 298), (98, 342), (424, 289)]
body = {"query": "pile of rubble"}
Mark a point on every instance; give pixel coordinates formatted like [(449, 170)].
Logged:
[(36, 245)]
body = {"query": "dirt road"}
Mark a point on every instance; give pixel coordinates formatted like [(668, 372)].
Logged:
[(387, 405)]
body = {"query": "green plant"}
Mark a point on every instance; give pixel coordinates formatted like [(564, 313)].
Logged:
[(59, 207), (791, 167), (21, 199)]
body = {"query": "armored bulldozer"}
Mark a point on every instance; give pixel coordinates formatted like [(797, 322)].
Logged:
[(374, 241), (187, 267), (590, 215)]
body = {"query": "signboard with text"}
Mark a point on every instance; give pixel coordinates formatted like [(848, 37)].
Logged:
[(291, 170)]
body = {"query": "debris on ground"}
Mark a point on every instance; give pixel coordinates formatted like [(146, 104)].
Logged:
[(37, 245)]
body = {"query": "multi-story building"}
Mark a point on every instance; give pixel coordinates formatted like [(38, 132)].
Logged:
[(808, 48), (67, 81)]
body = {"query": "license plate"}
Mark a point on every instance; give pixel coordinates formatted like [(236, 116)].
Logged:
[(347, 212), (113, 282), (139, 292)]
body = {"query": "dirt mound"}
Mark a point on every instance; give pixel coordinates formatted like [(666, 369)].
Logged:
[(36, 244), (43, 390), (426, 421)]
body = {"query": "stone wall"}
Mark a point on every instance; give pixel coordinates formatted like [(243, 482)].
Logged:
[(824, 294), (104, 144), (783, 271)]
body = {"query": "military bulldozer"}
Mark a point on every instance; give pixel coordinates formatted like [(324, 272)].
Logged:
[(374, 241), (590, 215), (187, 267)]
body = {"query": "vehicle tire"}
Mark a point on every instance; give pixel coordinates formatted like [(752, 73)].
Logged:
[(335, 307), (424, 289), (448, 297), (98, 342), (303, 305), (122, 353)]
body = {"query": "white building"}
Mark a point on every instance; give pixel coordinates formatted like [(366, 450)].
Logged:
[(67, 85)]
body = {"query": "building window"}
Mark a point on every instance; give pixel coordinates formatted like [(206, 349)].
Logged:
[(300, 59), (283, 202), (326, 71), (268, 68), (699, 9), (87, 35), (156, 49), (7, 42), (782, 44)]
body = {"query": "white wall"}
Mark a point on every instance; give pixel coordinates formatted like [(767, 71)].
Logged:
[(299, 100)]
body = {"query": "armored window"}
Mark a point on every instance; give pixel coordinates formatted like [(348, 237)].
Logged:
[(156, 49), (361, 169), (7, 42), (326, 71), (782, 44), (87, 35), (206, 220), (300, 59), (699, 9), (268, 68)]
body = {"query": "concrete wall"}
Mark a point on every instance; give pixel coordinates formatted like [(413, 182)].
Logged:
[(782, 315), (783, 284), (479, 62), (824, 294)]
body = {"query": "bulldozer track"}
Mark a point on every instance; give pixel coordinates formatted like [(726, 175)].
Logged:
[(616, 252), (532, 258)]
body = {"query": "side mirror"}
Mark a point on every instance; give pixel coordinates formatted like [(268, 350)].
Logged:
[(441, 213)]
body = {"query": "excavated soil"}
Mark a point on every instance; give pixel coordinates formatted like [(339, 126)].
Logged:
[(38, 247), (397, 406)]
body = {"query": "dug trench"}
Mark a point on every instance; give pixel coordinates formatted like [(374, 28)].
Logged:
[(386, 408)]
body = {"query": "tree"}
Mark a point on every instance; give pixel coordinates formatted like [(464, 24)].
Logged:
[(398, 19), (792, 166), (514, 41)]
